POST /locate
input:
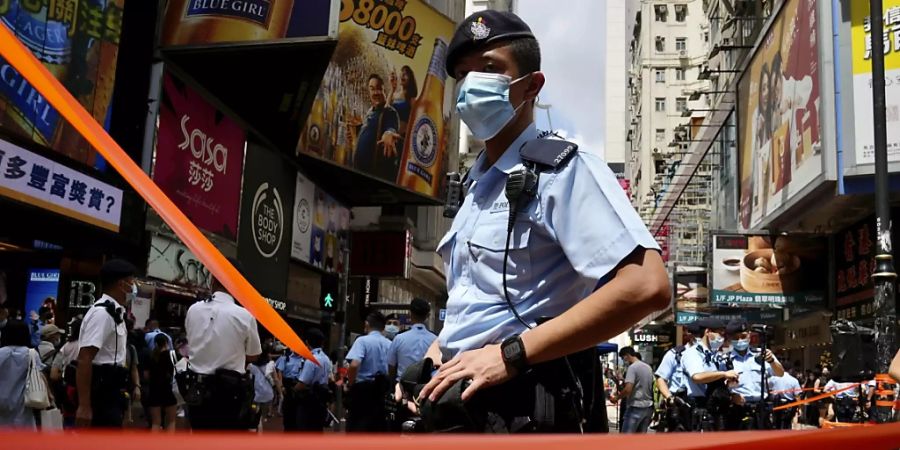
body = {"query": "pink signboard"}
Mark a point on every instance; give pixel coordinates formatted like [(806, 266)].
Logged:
[(199, 159)]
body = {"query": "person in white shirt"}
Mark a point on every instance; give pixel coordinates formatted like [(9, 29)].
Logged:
[(223, 339), (101, 375)]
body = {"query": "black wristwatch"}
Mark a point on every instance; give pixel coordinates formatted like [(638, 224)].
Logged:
[(513, 351)]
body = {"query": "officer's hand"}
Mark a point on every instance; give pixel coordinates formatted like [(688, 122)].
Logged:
[(434, 352), (83, 416), (485, 367), (731, 375), (770, 357), (738, 399)]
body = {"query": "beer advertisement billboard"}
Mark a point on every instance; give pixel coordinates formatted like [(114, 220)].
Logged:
[(862, 79), (199, 158), (383, 105), (78, 42), (768, 270), (780, 143), (318, 221), (196, 23)]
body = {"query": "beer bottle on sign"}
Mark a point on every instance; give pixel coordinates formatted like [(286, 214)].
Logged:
[(422, 148), (192, 22)]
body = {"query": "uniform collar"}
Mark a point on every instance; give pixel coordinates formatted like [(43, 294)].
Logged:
[(419, 326), (510, 158), (220, 296), (105, 298), (374, 332), (736, 355)]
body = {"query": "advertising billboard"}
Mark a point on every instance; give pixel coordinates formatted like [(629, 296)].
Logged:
[(862, 79), (763, 271), (199, 159), (780, 144), (78, 42), (318, 221), (383, 105), (211, 22), (42, 290)]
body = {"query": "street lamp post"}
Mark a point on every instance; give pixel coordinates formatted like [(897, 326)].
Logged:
[(884, 276)]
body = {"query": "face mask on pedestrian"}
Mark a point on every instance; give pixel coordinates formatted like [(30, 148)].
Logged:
[(483, 103), (740, 345), (715, 342), (391, 330)]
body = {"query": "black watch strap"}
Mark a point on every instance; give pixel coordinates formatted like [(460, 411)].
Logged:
[(513, 351)]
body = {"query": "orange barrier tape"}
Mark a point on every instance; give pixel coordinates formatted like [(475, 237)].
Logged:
[(57, 95), (878, 437), (816, 398), (827, 424), (787, 391)]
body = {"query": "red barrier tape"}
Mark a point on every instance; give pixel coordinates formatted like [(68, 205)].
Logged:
[(53, 91), (879, 437)]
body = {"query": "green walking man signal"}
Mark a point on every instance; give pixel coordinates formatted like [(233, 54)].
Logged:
[(328, 303)]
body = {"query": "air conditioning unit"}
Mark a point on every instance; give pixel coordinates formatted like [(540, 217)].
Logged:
[(682, 54)]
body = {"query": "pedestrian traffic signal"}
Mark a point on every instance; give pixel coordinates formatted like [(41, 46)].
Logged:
[(329, 294)]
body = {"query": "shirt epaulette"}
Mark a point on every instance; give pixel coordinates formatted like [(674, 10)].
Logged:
[(547, 153)]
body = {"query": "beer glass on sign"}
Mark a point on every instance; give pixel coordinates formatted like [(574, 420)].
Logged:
[(423, 146)]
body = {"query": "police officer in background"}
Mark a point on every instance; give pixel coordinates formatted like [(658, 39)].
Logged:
[(223, 339), (311, 389), (288, 368), (410, 346), (101, 378), (707, 376), (581, 265), (367, 377), (784, 389), (748, 410), (671, 380)]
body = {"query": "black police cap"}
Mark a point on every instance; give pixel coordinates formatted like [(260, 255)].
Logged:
[(693, 328), (737, 326), (709, 323), (483, 29), (115, 270)]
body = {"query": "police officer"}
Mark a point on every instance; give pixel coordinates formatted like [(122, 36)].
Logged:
[(784, 389), (223, 339), (311, 389), (288, 368), (367, 377), (846, 402), (747, 410), (101, 378), (580, 261), (672, 383), (410, 346), (706, 375)]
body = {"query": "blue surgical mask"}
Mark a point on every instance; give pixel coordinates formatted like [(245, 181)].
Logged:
[(740, 345), (391, 330), (716, 343), (483, 103)]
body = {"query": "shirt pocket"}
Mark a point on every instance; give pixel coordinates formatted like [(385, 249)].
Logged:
[(486, 250)]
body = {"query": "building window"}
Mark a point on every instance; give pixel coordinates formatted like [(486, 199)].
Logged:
[(660, 134), (680, 104), (681, 44), (680, 13), (660, 75), (660, 104), (661, 12), (679, 74), (660, 44), (706, 37)]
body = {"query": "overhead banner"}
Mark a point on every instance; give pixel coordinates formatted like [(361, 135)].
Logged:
[(766, 271), (384, 102), (318, 223), (211, 22), (38, 181), (778, 114), (264, 243), (78, 42), (862, 79), (199, 158), (171, 261)]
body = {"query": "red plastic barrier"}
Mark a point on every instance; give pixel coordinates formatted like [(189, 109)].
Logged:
[(57, 95)]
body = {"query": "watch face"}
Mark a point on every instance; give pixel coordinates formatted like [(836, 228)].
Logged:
[(510, 350)]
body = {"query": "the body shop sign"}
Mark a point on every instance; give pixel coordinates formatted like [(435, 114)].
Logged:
[(264, 244), (199, 159)]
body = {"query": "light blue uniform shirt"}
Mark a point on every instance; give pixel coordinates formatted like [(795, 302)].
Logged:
[(699, 359), (311, 374), (672, 370), (371, 350), (565, 242), (289, 366), (409, 347), (750, 375), (787, 386)]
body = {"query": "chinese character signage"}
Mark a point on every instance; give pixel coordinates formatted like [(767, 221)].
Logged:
[(768, 270), (199, 159), (862, 79), (854, 251), (382, 108), (78, 42), (210, 22), (267, 200), (778, 117), (38, 181), (318, 221)]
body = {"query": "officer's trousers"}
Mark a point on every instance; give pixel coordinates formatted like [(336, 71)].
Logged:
[(367, 412), (289, 406), (227, 405), (310, 413), (108, 400)]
